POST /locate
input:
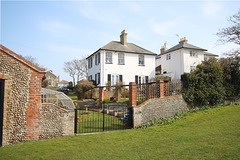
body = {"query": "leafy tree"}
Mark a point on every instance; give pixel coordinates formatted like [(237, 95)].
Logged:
[(231, 74), (81, 88), (44, 83), (70, 86), (205, 85)]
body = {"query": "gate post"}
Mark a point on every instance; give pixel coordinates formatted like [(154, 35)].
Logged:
[(161, 84), (132, 94), (101, 94), (75, 121)]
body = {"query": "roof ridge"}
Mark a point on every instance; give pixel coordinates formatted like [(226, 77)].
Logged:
[(21, 59), (142, 48)]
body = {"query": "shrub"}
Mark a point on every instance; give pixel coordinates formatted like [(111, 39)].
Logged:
[(204, 86), (81, 88)]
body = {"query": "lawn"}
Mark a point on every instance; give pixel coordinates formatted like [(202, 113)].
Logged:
[(208, 134)]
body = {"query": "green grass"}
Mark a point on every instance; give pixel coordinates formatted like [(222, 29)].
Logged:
[(72, 95), (208, 134), (92, 121)]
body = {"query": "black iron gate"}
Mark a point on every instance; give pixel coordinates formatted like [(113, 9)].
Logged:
[(1, 109), (103, 117)]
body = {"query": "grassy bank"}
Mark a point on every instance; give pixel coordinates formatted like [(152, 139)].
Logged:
[(208, 134)]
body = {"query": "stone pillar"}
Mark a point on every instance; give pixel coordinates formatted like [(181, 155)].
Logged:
[(161, 84), (132, 94), (101, 94)]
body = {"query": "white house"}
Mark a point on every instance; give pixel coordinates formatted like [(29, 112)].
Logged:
[(182, 58), (121, 61)]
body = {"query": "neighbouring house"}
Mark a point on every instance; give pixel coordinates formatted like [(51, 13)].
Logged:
[(121, 61), (63, 84), (84, 81), (182, 58), (52, 78), (20, 95)]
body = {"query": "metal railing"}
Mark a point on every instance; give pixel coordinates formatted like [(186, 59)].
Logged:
[(147, 91), (172, 88)]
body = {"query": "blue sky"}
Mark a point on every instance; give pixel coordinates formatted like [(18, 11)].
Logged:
[(58, 31)]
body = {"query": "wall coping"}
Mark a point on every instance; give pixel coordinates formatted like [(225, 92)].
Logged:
[(66, 110), (153, 99), (21, 59)]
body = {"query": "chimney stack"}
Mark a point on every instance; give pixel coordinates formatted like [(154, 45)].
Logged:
[(183, 40), (164, 47), (123, 37)]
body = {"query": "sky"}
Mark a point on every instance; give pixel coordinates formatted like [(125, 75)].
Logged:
[(55, 32)]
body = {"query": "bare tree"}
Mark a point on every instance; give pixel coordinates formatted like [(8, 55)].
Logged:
[(70, 69), (77, 69), (80, 65), (231, 33)]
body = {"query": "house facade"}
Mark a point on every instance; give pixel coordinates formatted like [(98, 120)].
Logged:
[(121, 61), (182, 58), (63, 84), (52, 78)]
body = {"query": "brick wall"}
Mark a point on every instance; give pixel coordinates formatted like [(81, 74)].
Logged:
[(22, 97)]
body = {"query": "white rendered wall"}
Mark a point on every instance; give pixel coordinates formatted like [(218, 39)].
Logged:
[(95, 68), (173, 66), (128, 70), (180, 62), (189, 61)]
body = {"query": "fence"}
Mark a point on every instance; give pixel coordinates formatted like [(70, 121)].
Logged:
[(157, 90), (147, 91), (172, 88)]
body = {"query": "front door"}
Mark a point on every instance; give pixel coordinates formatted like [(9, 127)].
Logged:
[(1, 108)]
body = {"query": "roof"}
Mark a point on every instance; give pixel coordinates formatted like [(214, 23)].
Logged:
[(128, 48), (63, 82), (21, 59), (183, 45), (210, 54)]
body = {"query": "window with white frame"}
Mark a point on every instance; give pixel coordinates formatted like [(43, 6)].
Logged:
[(97, 78), (90, 77), (109, 57), (168, 56), (90, 63), (121, 58), (113, 80), (192, 68), (97, 58), (193, 54), (141, 60)]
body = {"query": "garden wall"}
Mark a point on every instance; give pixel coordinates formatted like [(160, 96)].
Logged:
[(158, 108), (56, 121)]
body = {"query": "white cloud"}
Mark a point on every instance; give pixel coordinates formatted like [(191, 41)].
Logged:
[(162, 28), (211, 8), (57, 28)]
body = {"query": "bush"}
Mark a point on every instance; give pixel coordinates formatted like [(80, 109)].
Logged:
[(81, 89), (204, 86)]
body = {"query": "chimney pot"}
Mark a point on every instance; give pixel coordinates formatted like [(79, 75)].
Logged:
[(123, 37)]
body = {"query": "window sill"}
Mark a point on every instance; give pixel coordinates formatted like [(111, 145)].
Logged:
[(120, 64), (108, 63), (141, 65)]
